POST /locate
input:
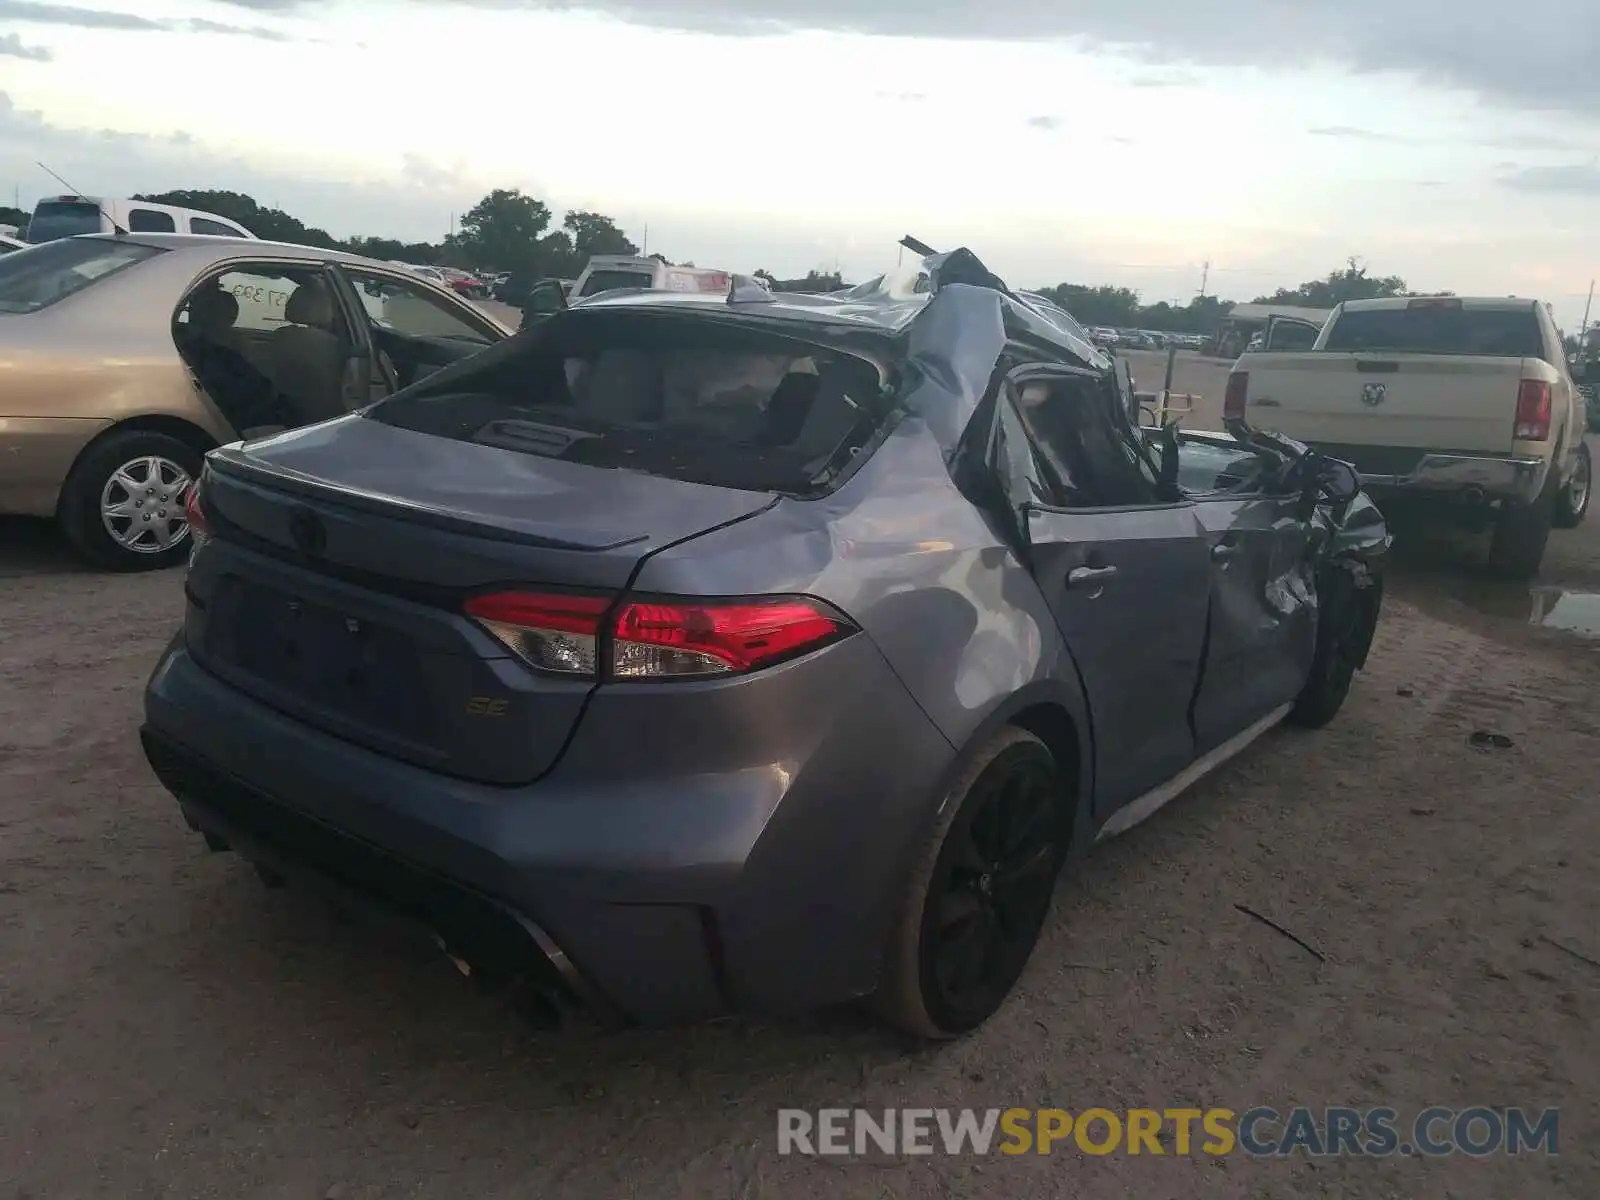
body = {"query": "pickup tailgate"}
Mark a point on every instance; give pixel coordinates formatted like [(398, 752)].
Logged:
[(1369, 404)]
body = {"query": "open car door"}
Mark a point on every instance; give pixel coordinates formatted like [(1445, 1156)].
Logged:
[(415, 328), (1290, 333)]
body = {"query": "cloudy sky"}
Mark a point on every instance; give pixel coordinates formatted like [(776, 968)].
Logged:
[(1456, 144)]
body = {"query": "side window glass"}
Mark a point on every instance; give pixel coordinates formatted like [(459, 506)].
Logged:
[(149, 220), (1292, 335), (1048, 433), (1028, 477), (213, 228), (1205, 468), (411, 311), (262, 297), (1096, 462)]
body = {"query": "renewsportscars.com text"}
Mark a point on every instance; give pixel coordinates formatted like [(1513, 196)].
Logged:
[(1259, 1132)]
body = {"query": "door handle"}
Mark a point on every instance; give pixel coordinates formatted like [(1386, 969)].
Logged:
[(1223, 552), (1079, 576)]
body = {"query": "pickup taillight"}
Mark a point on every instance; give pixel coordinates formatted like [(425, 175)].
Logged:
[(1233, 400), (1533, 411)]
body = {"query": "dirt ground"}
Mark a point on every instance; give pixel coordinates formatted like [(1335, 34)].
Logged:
[(170, 1028)]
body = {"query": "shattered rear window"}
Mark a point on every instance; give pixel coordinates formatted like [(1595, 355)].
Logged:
[(685, 400)]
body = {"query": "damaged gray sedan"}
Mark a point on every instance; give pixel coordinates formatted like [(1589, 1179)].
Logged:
[(692, 655)]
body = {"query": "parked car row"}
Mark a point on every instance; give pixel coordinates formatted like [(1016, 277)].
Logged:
[(473, 285), (1145, 339)]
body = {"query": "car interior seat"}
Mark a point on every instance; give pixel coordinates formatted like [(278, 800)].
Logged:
[(789, 407), (309, 355), (622, 385), (212, 317)]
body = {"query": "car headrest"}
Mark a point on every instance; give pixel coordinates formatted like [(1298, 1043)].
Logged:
[(213, 310), (310, 304)]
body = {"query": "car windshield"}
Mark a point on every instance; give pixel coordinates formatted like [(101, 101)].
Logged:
[(606, 281), (676, 398), (42, 275), (1501, 332), (63, 219)]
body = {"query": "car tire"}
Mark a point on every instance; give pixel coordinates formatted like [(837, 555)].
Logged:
[(1346, 618), (956, 882), (1572, 501), (112, 467), (1521, 531)]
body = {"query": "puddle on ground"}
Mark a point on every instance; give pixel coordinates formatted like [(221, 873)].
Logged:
[(1562, 608), (1574, 611)]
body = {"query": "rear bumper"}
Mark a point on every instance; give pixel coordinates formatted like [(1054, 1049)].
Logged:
[(1516, 479), (767, 889)]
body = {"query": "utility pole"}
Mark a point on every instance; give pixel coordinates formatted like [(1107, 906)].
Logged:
[(1205, 277), (1583, 330), (644, 244)]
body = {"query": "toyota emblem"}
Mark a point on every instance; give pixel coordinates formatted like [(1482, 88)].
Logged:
[(1372, 394), (309, 534)]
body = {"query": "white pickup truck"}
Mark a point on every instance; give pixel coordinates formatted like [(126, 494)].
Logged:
[(1465, 405)]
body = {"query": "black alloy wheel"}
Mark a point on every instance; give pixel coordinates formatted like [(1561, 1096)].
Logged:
[(980, 896)]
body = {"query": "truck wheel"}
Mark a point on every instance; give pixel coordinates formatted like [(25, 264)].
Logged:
[(1516, 548), (1572, 501), (979, 893)]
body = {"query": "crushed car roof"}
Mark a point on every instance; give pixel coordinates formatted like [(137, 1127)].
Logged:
[(881, 304)]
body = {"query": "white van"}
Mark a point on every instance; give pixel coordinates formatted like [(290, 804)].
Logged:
[(608, 272), (67, 216)]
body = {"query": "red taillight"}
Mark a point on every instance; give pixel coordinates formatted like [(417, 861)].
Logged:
[(548, 631), (1533, 411), (655, 639), (199, 529), (1233, 400)]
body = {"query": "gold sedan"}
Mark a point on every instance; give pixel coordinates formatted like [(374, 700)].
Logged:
[(123, 359)]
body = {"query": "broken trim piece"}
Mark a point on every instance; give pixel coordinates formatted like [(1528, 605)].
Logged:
[(1147, 805)]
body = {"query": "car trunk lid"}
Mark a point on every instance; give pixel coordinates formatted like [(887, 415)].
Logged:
[(340, 558)]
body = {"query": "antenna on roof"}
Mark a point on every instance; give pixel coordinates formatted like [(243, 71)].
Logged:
[(119, 230)]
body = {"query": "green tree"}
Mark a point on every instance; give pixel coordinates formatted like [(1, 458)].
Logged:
[(1104, 305), (1352, 283), (503, 231), (558, 257), (593, 234), (269, 224), (393, 250)]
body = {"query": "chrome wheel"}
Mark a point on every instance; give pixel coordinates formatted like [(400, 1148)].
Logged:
[(141, 505)]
